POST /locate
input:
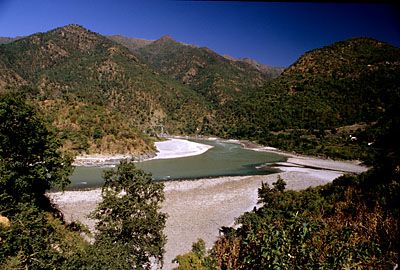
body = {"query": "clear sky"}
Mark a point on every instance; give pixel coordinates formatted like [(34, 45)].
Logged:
[(272, 33)]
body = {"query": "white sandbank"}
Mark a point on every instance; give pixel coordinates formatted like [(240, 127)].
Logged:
[(336, 165), (177, 148), (171, 148)]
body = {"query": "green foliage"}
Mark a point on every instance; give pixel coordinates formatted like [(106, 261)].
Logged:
[(32, 233), (90, 128), (279, 185), (30, 160), (130, 218), (352, 223), (37, 240), (189, 260), (199, 248), (267, 195), (195, 259)]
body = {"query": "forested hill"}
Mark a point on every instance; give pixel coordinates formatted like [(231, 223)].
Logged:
[(217, 78), (96, 91), (349, 81), (327, 95), (104, 93), (356, 79)]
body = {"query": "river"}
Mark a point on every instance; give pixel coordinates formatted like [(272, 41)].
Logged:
[(224, 159)]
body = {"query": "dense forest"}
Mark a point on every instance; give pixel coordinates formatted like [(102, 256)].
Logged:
[(71, 91)]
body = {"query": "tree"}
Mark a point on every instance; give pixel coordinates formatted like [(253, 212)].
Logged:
[(197, 258), (129, 217), (266, 194), (33, 234), (30, 160), (279, 185)]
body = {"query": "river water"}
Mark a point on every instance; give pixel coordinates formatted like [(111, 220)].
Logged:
[(224, 159)]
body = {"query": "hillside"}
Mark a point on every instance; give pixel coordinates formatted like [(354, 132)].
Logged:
[(131, 43), (78, 66), (359, 78), (350, 82), (213, 76)]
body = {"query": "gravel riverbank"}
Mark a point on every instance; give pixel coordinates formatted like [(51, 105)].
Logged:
[(198, 208)]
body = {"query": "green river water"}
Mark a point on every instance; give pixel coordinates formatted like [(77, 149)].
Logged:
[(224, 159)]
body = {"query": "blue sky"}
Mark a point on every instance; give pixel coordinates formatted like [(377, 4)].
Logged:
[(272, 33)]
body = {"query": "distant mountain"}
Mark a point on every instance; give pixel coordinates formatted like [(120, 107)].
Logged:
[(131, 43), (267, 70), (5, 40), (213, 76)]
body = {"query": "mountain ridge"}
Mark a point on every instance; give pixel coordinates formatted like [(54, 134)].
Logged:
[(5, 40), (203, 70)]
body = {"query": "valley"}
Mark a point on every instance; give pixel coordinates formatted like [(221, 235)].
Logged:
[(104, 98), (316, 185)]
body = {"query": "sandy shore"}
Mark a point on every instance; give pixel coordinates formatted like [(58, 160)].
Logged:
[(171, 148), (197, 209), (177, 148)]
